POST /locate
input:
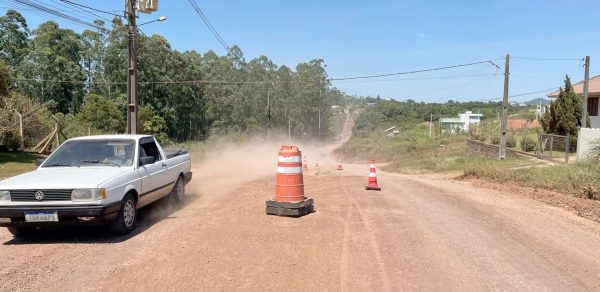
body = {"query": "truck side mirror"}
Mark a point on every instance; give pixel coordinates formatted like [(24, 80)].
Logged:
[(144, 160), (39, 162)]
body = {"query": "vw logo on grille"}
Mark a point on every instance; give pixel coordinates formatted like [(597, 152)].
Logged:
[(39, 195)]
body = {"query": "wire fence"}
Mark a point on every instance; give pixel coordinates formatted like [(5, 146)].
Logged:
[(555, 147)]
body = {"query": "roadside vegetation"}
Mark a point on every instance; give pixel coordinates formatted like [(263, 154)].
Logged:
[(15, 163), (51, 75), (412, 151)]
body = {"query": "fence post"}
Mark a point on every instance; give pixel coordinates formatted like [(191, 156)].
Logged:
[(538, 150), (568, 149), (551, 146)]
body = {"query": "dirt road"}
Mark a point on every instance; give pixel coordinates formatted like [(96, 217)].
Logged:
[(416, 234)]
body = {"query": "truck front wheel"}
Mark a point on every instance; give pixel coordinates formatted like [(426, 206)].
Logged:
[(127, 218)]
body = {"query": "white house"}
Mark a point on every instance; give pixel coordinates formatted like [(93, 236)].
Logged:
[(451, 125)]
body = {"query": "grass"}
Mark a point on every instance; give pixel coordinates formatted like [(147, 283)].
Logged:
[(15, 163), (572, 178), (412, 152)]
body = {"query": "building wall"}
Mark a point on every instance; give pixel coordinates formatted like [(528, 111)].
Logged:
[(488, 150), (595, 121), (585, 139)]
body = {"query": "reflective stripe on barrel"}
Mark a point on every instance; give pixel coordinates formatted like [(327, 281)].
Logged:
[(290, 181)]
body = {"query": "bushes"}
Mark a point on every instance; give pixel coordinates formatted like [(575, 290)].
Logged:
[(528, 144), (511, 141), (495, 140)]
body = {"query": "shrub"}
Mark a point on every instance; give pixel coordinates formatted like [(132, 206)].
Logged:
[(528, 144), (495, 140), (511, 141)]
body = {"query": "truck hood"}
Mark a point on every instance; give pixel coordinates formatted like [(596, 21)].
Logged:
[(62, 178)]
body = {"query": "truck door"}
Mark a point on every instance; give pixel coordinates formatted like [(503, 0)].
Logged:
[(155, 183)]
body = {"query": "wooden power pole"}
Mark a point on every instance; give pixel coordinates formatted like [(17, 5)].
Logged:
[(586, 82), (502, 153), (132, 98)]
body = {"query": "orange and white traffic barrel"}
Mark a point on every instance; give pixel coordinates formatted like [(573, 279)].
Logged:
[(289, 190)]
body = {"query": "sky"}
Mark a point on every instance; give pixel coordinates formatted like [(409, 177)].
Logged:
[(360, 38)]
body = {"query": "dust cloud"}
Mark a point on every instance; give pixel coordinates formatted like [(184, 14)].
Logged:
[(233, 165)]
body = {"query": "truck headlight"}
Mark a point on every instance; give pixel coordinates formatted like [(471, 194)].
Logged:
[(88, 195), (4, 196)]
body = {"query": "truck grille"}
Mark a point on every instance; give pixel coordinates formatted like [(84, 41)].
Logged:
[(49, 195)]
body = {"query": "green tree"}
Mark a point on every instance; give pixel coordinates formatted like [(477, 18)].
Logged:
[(564, 116), (102, 114), (14, 33), (55, 55)]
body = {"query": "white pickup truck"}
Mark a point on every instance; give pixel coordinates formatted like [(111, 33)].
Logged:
[(94, 180)]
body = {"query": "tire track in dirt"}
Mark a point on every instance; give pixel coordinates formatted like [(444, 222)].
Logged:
[(345, 243), (381, 270)]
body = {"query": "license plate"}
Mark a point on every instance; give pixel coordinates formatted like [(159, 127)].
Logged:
[(41, 216)]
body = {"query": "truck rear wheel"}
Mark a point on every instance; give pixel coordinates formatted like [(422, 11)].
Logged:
[(178, 192), (127, 218)]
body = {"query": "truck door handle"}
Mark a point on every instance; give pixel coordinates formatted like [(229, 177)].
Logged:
[(164, 165)]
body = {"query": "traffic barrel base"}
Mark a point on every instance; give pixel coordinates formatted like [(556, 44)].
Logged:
[(290, 209), (289, 190)]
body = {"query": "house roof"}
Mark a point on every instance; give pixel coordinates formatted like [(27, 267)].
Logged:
[(451, 120), (594, 87)]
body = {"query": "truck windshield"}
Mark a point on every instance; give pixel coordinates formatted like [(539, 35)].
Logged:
[(109, 153)]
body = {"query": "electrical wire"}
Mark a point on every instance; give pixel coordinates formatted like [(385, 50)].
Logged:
[(46, 15), (547, 59), (92, 8), (58, 14), (91, 14), (207, 23), (416, 71)]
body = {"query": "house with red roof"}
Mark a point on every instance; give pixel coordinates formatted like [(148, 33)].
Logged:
[(593, 95)]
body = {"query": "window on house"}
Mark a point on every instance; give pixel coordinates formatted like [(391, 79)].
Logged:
[(592, 106)]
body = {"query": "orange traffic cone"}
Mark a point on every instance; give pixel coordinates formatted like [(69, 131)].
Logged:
[(289, 191), (340, 167), (372, 178), (304, 164)]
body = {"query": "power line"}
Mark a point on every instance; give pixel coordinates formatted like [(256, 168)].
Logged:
[(547, 59), (416, 71), (57, 13), (92, 14), (534, 92), (210, 27), (91, 8), (425, 78)]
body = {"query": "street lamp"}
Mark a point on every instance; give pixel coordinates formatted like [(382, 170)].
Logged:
[(162, 18)]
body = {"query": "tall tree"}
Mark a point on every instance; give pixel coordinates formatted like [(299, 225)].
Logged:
[(564, 116), (14, 35), (54, 62)]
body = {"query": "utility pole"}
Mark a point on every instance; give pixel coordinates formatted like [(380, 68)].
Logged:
[(430, 123), (319, 113), (21, 137), (132, 99), (268, 115), (586, 82), (504, 110), (319, 122)]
